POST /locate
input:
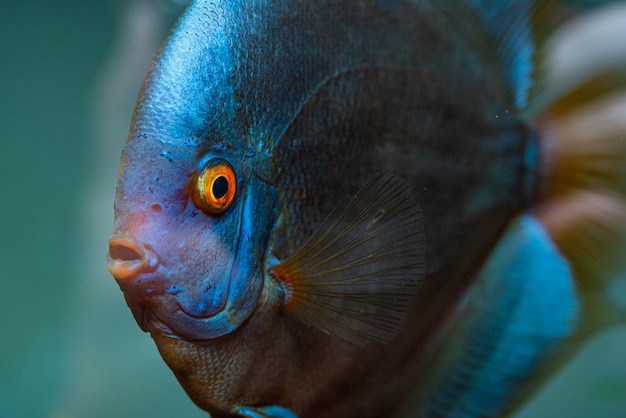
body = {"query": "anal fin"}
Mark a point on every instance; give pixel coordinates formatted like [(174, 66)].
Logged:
[(509, 329)]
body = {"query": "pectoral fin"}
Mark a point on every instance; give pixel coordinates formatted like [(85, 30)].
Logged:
[(265, 412), (358, 276)]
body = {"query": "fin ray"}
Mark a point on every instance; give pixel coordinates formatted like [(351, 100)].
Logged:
[(359, 274)]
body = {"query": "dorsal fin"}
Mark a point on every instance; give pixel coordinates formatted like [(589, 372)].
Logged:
[(509, 23)]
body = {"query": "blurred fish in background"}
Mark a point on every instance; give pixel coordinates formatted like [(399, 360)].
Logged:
[(69, 347)]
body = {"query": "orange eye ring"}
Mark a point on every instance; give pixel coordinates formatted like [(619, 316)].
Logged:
[(215, 187)]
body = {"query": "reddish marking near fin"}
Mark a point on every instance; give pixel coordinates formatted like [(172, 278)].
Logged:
[(286, 280)]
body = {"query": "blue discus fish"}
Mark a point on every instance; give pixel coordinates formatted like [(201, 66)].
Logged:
[(298, 171)]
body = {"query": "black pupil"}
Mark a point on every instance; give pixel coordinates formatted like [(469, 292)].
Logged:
[(220, 187)]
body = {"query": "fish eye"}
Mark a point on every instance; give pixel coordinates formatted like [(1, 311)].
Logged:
[(214, 187)]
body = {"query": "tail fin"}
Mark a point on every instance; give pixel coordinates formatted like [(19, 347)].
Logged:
[(586, 145), (583, 204), (589, 227)]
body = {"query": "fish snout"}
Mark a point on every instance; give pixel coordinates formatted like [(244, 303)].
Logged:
[(128, 258)]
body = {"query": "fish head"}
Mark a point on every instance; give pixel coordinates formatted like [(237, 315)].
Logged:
[(192, 208), (188, 270)]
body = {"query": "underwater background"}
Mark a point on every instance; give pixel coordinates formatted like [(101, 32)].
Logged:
[(70, 71)]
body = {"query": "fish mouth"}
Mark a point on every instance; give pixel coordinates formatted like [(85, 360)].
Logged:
[(128, 258)]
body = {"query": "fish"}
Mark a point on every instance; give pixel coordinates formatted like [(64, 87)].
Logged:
[(333, 208)]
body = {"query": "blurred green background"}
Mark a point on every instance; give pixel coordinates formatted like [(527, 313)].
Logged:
[(69, 347)]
